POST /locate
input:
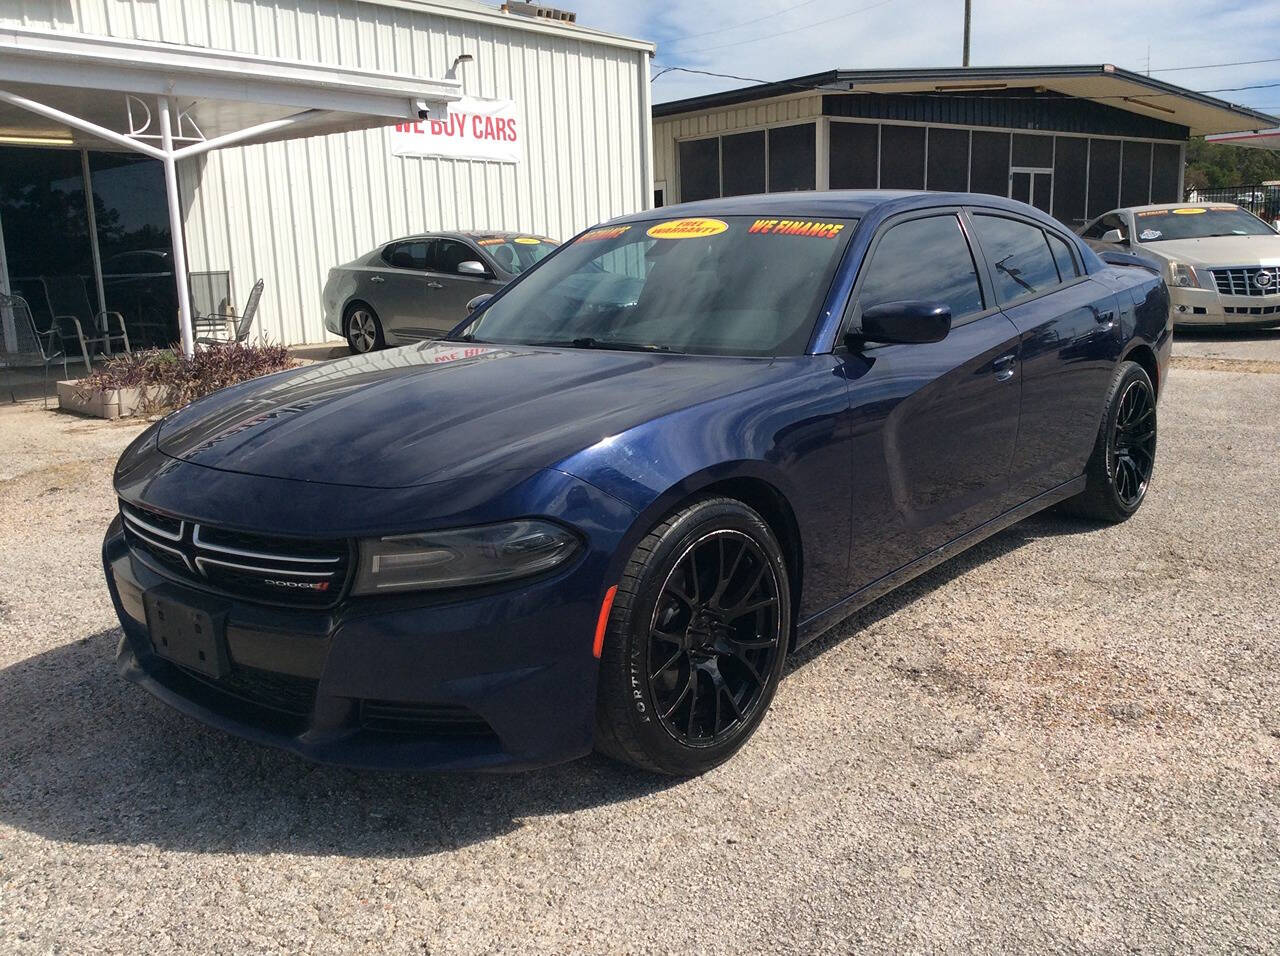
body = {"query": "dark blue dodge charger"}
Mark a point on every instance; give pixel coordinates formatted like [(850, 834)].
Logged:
[(604, 509)]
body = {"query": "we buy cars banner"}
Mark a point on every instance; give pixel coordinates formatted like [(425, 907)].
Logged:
[(474, 128)]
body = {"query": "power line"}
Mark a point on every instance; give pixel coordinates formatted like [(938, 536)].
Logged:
[(744, 23), (1214, 66), (782, 33)]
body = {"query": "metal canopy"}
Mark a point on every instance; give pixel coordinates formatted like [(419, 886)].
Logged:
[(172, 102), (1265, 139)]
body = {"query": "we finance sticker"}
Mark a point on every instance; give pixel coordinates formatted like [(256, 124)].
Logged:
[(796, 227), (687, 229), (599, 235)]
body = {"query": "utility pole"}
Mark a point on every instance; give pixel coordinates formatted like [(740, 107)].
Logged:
[(968, 17)]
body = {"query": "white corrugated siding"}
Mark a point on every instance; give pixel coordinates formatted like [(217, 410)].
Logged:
[(290, 211), (668, 132)]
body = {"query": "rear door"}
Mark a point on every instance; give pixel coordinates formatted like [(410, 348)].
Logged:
[(397, 288), (1069, 330), (939, 421)]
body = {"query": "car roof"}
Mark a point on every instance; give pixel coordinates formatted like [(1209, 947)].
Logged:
[(1161, 206), (833, 203)]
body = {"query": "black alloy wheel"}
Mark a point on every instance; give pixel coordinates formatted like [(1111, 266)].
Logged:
[(1119, 471), (716, 633), (696, 641)]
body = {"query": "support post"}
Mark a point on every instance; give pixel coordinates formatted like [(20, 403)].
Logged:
[(968, 19), (93, 237), (180, 277)]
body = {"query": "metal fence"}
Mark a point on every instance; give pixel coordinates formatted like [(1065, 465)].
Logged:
[(1261, 199)]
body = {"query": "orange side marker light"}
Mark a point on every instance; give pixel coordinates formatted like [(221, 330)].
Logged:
[(603, 622)]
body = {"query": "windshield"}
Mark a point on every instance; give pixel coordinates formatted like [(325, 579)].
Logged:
[(736, 285), (516, 253), (1197, 222)]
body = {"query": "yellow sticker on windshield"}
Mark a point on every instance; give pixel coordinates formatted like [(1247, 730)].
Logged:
[(528, 241), (687, 229), (1189, 212), (605, 232), (796, 227)]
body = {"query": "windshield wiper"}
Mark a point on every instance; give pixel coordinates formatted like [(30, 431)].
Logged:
[(588, 342)]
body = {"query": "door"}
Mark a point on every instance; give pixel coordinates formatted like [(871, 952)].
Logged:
[(1032, 185), (448, 290), (935, 424), (398, 290), (1069, 329)]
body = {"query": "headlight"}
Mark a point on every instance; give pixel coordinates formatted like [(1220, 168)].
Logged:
[(1183, 275), (461, 556)]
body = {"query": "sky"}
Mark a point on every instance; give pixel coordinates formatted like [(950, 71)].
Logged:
[(795, 37)]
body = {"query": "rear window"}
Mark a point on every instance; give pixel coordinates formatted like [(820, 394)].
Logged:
[(731, 285)]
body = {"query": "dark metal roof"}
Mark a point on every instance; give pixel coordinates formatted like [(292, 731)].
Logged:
[(845, 81)]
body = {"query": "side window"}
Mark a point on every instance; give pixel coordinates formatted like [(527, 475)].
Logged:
[(1021, 263), (450, 252), (1110, 221), (1063, 255), (406, 255), (923, 259)]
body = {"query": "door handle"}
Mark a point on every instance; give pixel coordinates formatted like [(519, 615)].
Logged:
[(1106, 319), (376, 279), (1003, 367), (434, 285)]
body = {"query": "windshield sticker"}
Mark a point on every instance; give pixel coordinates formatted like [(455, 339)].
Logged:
[(492, 242), (1148, 234), (1194, 211), (789, 227), (608, 232), (687, 229), (528, 241)]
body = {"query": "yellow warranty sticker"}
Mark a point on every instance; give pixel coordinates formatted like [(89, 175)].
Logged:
[(1189, 212), (687, 229), (528, 241), (607, 232)]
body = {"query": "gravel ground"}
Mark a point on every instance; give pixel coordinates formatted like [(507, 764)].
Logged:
[(1263, 345), (1066, 739)]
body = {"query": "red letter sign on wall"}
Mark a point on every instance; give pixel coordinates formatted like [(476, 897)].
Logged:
[(474, 128)]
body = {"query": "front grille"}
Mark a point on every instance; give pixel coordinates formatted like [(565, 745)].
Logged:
[(1244, 281), (295, 696), (395, 717), (277, 570)]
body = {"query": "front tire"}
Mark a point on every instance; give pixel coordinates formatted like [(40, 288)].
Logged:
[(1124, 454), (363, 329), (696, 640)]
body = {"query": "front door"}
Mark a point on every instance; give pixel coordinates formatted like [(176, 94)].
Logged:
[(449, 291), (936, 423)]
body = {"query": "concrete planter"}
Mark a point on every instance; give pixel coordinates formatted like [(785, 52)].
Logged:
[(110, 403)]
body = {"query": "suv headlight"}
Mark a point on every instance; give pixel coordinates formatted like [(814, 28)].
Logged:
[(461, 556), (1183, 275)]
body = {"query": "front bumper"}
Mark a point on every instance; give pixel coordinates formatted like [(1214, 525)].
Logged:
[(503, 680), (1195, 307)]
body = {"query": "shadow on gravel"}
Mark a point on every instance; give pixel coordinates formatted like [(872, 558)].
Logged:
[(89, 758)]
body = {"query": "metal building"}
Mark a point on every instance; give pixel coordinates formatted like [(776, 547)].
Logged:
[(292, 116), (1074, 141)]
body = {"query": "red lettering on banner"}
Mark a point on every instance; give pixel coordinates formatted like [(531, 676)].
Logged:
[(511, 125)]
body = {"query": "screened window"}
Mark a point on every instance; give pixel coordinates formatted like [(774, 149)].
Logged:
[(948, 160), (792, 158), (855, 151), (989, 167), (1135, 184), (1063, 255), (1070, 159), (925, 259), (1021, 262), (742, 163), (1166, 164), (902, 157), (699, 169), (1031, 150), (1104, 175)]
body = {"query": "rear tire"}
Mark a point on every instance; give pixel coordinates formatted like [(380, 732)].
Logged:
[(1124, 454), (696, 640), (363, 329)]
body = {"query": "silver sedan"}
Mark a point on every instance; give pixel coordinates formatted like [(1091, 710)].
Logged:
[(418, 287)]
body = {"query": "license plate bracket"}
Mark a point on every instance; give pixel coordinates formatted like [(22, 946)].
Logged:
[(186, 634)]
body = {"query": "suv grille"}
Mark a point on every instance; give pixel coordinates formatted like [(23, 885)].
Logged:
[(1251, 280), (268, 568)]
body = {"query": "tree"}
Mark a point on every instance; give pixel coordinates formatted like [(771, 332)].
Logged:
[(1218, 164)]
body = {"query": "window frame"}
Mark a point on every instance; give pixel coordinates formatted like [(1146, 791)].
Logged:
[(853, 308), (998, 213)]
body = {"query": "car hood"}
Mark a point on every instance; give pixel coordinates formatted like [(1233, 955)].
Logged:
[(439, 411), (1218, 251)]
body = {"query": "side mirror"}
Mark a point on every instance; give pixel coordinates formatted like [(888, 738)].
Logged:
[(472, 268), (1113, 235), (909, 322), (478, 301)]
